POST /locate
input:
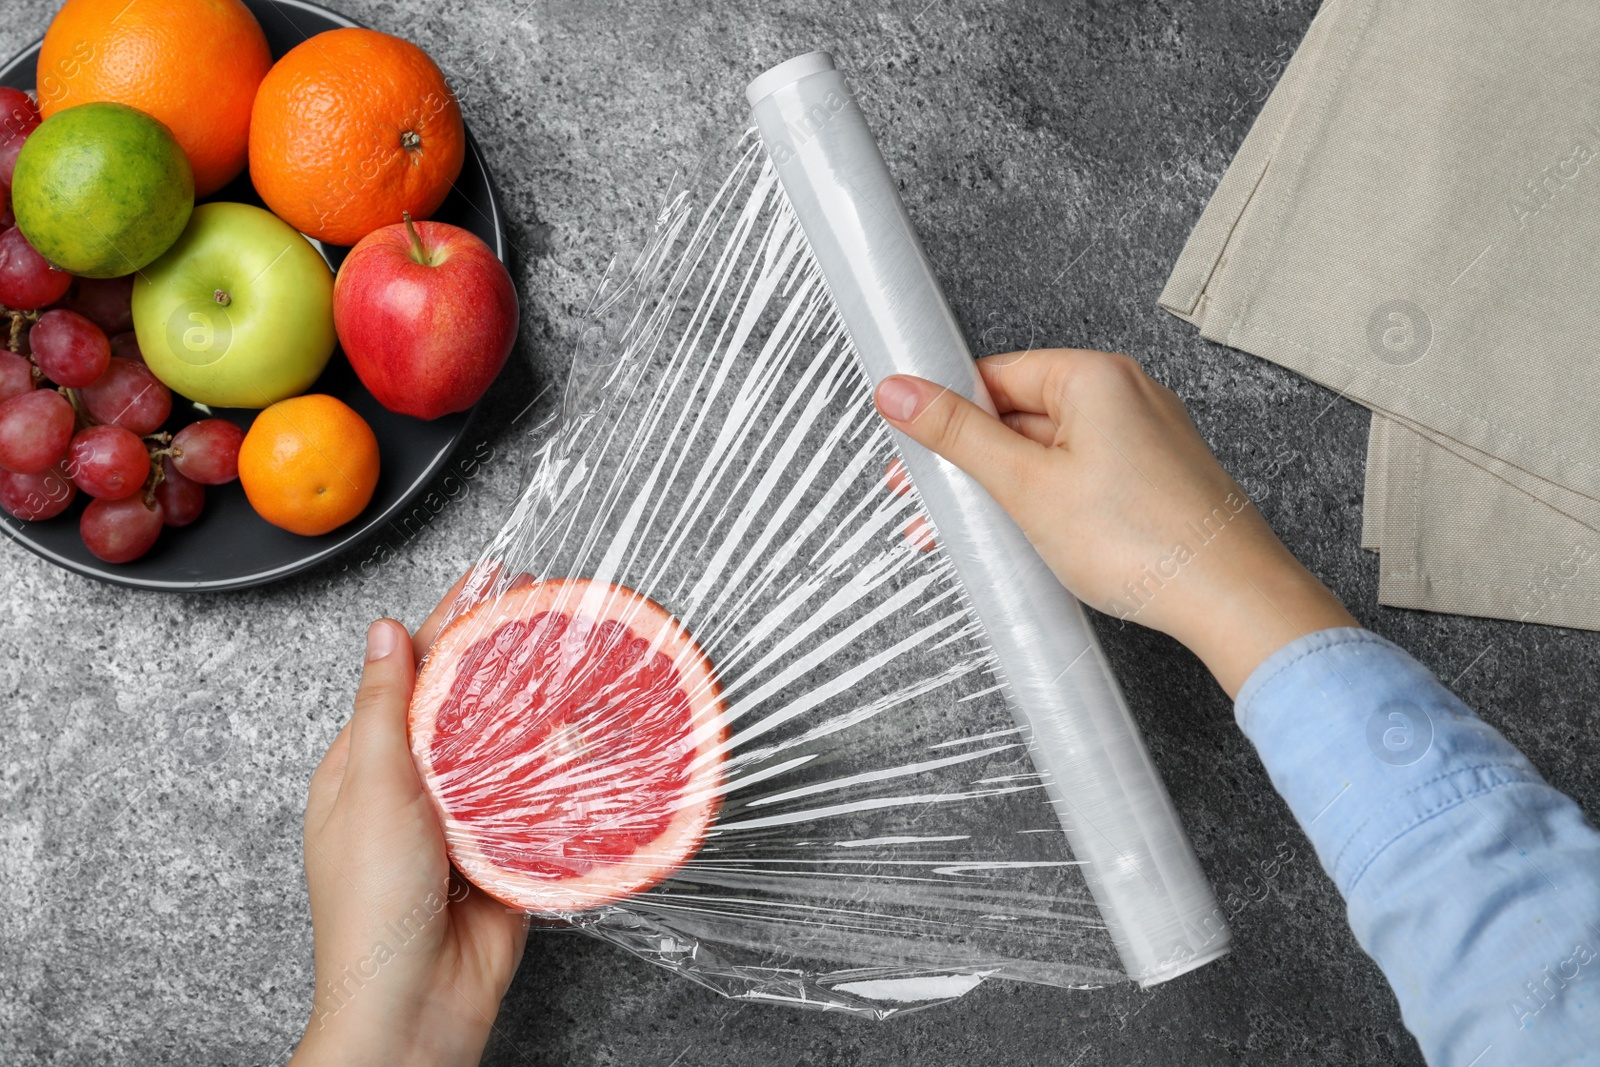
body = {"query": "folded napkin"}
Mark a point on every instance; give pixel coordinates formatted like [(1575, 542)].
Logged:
[(1414, 221)]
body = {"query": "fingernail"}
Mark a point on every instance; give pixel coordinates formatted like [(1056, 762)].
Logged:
[(380, 640), (899, 399)]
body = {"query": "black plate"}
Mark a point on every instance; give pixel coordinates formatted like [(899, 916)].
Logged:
[(230, 546)]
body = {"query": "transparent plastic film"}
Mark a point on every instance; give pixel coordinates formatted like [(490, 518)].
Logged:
[(712, 693), (1112, 803)]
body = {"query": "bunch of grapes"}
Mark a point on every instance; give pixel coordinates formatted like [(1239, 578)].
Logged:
[(80, 412)]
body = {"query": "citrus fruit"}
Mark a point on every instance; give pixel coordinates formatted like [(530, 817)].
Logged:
[(309, 464), (351, 129), (193, 64), (101, 190), (570, 734)]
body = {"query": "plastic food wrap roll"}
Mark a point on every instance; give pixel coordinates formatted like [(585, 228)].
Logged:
[(1118, 818)]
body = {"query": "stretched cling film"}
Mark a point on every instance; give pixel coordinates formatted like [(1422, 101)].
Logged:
[(704, 698)]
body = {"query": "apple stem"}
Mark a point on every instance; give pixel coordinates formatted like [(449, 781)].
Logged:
[(221, 297), (418, 253)]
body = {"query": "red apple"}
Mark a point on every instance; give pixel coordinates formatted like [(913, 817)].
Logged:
[(426, 315)]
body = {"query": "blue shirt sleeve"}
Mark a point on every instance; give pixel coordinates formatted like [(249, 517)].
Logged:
[(1473, 884)]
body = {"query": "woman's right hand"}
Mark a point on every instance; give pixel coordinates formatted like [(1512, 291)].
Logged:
[(1105, 472)]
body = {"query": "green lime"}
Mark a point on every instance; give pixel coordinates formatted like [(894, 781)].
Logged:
[(101, 189)]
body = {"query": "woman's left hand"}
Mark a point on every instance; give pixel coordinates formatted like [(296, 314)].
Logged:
[(411, 960)]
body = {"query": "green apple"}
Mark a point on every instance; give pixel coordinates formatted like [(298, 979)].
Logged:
[(238, 312)]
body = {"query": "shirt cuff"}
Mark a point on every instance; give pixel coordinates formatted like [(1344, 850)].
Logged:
[(1365, 745)]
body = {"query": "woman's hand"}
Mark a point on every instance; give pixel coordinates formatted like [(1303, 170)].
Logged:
[(1107, 475), (411, 961)]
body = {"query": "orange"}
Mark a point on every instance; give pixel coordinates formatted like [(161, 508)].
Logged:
[(193, 64), (352, 129), (309, 464)]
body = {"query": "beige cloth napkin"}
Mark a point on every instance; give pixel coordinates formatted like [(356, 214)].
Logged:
[(1414, 221)]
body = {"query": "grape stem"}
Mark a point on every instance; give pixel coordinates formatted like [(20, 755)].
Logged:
[(14, 341), (84, 421), (158, 472)]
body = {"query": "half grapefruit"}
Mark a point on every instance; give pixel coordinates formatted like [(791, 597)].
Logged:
[(570, 734)]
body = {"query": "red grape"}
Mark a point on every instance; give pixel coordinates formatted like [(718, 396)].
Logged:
[(181, 499), (208, 451), (126, 346), (10, 147), (36, 497), (69, 349), (26, 280), (128, 395), (108, 462), (18, 111), (35, 430), (106, 302), (16, 375), (120, 531), (19, 116)]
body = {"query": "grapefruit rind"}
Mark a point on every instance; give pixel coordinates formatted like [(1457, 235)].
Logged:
[(652, 862)]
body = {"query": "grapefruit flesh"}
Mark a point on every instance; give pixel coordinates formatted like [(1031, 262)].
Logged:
[(570, 734)]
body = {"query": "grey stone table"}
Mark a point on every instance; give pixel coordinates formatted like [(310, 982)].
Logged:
[(1054, 156)]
